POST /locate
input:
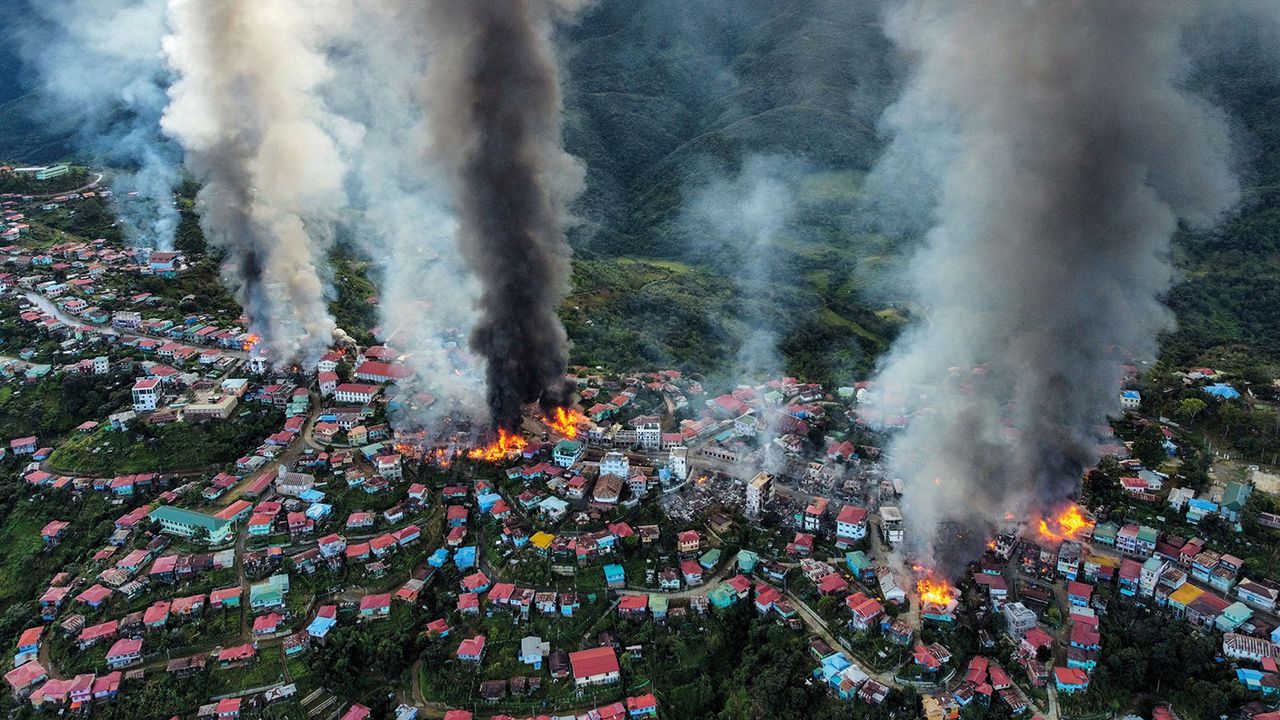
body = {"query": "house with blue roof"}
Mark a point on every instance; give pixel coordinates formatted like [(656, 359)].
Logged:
[(1254, 681), (615, 576), (465, 557), (486, 501), (1130, 399), (320, 627), (1222, 390), (1197, 508)]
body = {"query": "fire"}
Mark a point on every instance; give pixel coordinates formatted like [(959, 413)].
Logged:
[(935, 591), (250, 342), (499, 449), (1067, 525), (565, 422), (442, 457)]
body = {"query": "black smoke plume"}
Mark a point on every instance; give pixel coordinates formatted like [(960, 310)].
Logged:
[(494, 104)]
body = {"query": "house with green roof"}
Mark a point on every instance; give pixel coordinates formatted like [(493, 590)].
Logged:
[(566, 453), (1147, 539), (722, 596), (859, 564), (710, 558), (747, 561), (1235, 615), (269, 593), (1234, 497), (186, 523), (1105, 533)]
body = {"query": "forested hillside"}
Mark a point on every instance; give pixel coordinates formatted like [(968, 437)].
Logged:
[(666, 98)]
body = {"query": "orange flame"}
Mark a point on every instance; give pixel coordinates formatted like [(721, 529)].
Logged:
[(565, 422), (934, 591), (499, 449), (1067, 525), (250, 342)]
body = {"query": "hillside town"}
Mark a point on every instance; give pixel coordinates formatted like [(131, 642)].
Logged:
[(559, 575)]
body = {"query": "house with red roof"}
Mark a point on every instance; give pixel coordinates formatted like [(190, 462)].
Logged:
[(633, 605), (1069, 679), (237, 654), (851, 525), (596, 666), (476, 582), (471, 649), (375, 606), (125, 651), (25, 678), (867, 611)]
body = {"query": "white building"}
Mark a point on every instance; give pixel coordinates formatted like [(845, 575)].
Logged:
[(1018, 619), (356, 393), (678, 462), (891, 524), (851, 524), (1130, 400), (615, 463), (759, 493), (146, 394), (649, 436), (101, 365), (126, 319)]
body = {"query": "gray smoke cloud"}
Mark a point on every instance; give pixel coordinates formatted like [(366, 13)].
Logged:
[(1066, 152), (493, 100), (741, 219), (403, 219), (101, 72), (247, 110)]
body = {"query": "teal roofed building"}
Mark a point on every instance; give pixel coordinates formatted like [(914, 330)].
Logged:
[(269, 593), (186, 523), (1235, 615), (722, 596), (859, 564), (710, 558), (747, 561), (566, 453), (1234, 497), (615, 576), (1105, 533)]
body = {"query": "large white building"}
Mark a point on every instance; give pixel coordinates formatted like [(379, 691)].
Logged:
[(357, 393), (759, 493), (1018, 619), (146, 394), (649, 436), (615, 463)]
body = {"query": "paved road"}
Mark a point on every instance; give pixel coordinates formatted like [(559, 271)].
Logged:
[(49, 308), (97, 178)]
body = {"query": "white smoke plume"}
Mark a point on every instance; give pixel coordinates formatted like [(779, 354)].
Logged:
[(741, 219), (1067, 152), (246, 108), (404, 220), (101, 71)]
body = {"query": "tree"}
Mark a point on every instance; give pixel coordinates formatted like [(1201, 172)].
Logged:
[(1189, 408), (1149, 446)]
